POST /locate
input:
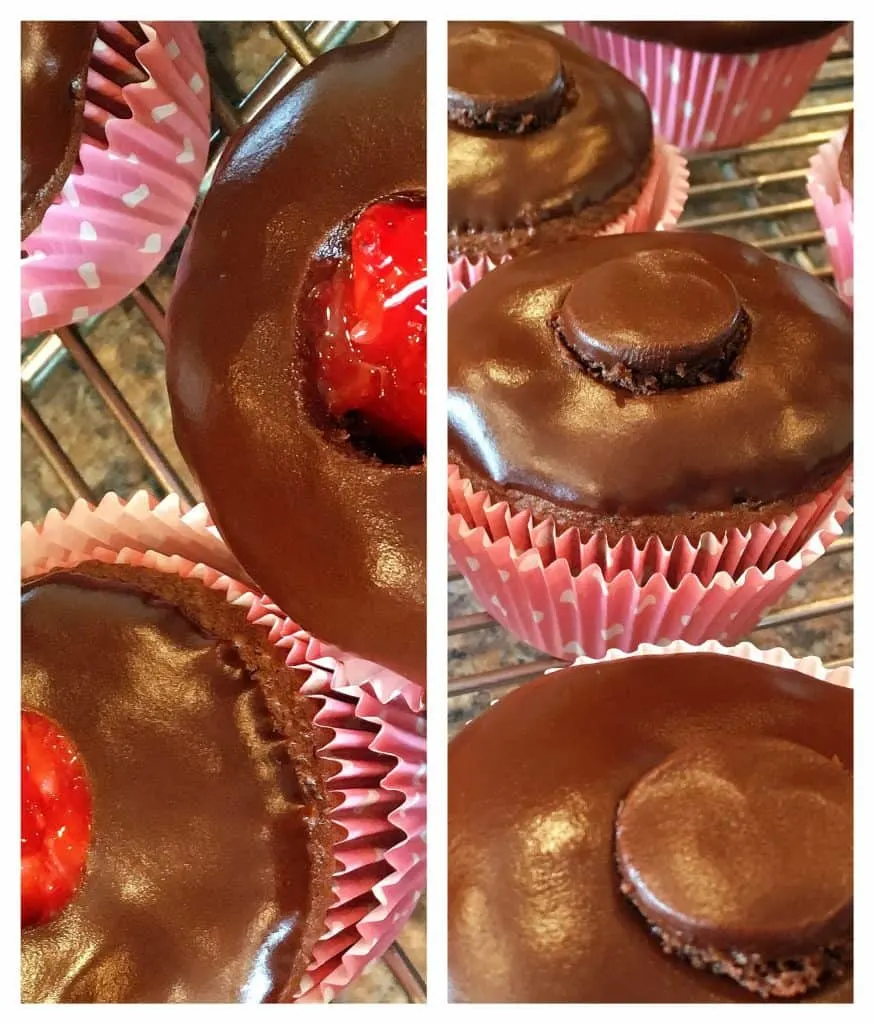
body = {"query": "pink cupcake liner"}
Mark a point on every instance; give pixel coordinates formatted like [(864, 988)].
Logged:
[(658, 208), (833, 205), (570, 597), (119, 213), (703, 101), (377, 746), (777, 656)]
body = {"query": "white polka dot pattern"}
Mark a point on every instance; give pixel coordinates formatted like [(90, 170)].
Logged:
[(88, 273), (709, 101), (115, 220), (833, 206), (619, 597)]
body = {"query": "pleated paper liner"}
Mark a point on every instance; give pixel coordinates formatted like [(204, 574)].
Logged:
[(706, 101), (776, 656), (833, 205), (658, 208), (569, 597), (376, 747), (136, 180)]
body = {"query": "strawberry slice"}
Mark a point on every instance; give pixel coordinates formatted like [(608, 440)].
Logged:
[(373, 323), (55, 819)]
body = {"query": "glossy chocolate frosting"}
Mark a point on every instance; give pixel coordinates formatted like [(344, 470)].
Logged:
[(566, 160), (535, 784), (334, 536), (724, 36), (531, 422), (54, 70), (209, 867), (698, 837)]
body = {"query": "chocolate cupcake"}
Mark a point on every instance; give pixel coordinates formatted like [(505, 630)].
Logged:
[(197, 777), (623, 404), (545, 144), (680, 830), (631, 355), (114, 139), (713, 84), (297, 350), (201, 743)]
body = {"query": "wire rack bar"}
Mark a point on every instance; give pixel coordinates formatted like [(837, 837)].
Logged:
[(123, 413), (405, 972), (52, 452)]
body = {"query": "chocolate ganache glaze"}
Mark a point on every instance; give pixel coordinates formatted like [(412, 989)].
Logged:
[(538, 131), (334, 535), (724, 36), (54, 70), (659, 383), (208, 872), (704, 795)]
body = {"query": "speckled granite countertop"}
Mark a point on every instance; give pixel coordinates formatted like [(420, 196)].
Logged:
[(238, 54)]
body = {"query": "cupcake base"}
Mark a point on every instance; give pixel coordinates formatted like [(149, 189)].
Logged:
[(569, 597), (706, 101)]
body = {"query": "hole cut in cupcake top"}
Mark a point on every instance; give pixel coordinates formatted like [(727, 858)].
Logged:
[(241, 376), (367, 320)]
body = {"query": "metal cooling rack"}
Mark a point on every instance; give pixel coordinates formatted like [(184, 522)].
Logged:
[(756, 193), (74, 368)]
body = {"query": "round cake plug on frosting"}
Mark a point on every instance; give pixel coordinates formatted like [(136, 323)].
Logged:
[(545, 142), (501, 80), (713, 790), (697, 840), (616, 339), (295, 361)]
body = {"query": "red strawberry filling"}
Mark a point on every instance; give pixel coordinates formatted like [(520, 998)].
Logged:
[(371, 325), (55, 819)]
